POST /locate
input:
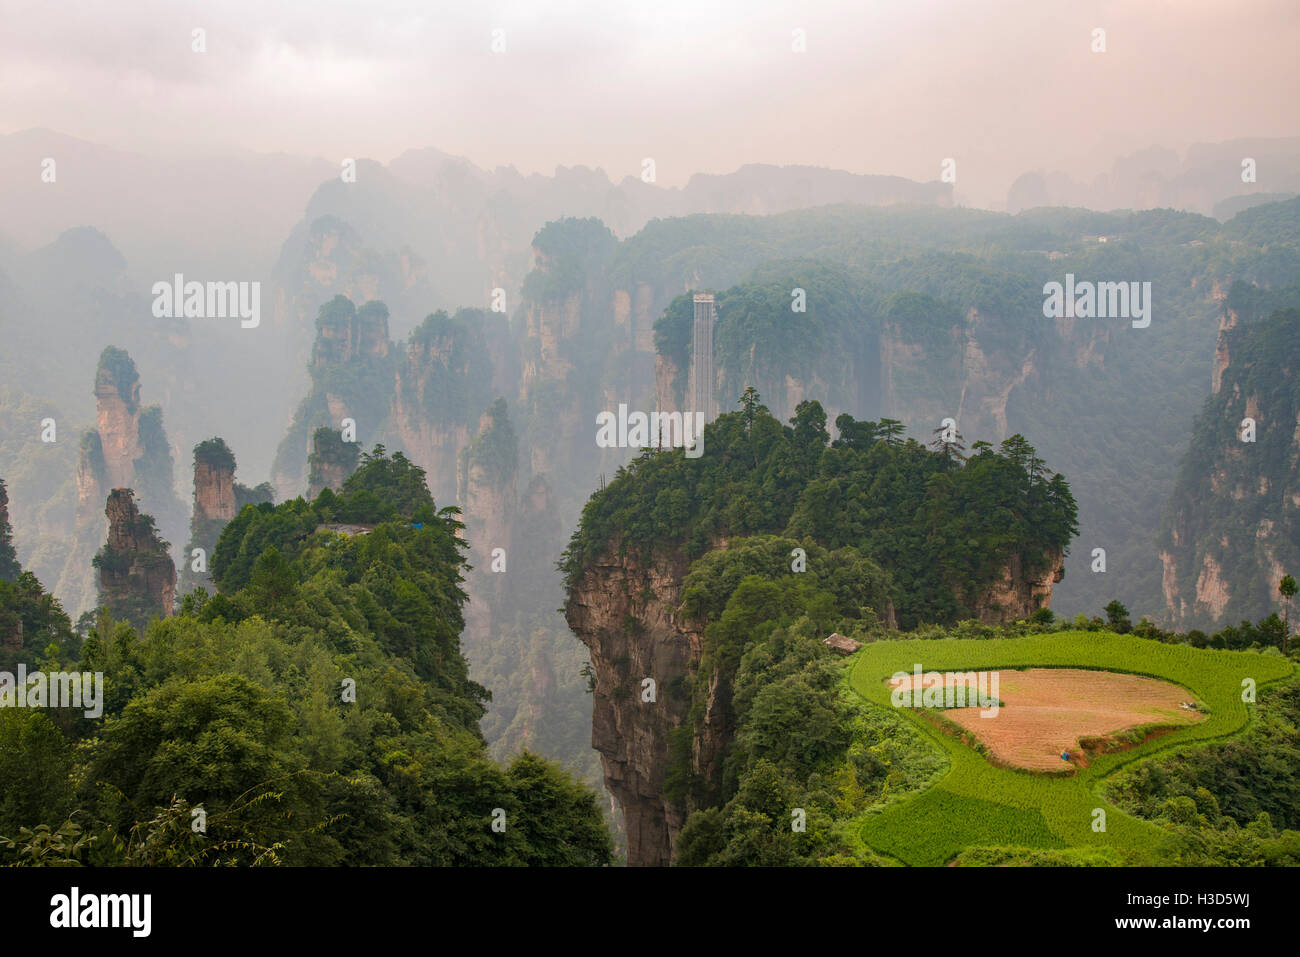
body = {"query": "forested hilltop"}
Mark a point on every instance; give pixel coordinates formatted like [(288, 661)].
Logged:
[(316, 710), (943, 524), (688, 573)]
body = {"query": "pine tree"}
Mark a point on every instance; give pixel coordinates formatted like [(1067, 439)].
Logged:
[(749, 399), (1287, 589), (9, 568), (953, 450), (891, 430)]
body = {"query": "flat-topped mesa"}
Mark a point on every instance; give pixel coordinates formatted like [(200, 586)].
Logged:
[(669, 519), (137, 579)]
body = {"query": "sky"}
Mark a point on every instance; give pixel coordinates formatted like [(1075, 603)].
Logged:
[(895, 87)]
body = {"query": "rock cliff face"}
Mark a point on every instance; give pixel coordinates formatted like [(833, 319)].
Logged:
[(1017, 594), (488, 501), (444, 382), (215, 504), (969, 371), (137, 579), (128, 448), (327, 257), (117, 419), (575, 328), (342, 337), (1233, 520), (1222, 351), (352, 378), (332, 461), (923, 361), (487, 480), (625, 611), (214, 492)]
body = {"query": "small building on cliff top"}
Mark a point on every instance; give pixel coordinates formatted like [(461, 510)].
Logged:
[(345, 529)]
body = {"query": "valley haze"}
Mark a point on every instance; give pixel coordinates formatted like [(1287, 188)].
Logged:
[(566, 434)]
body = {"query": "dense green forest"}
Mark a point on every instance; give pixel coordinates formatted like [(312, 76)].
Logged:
[(1236, 803), (31, 620), (943, 524), (315, 710)]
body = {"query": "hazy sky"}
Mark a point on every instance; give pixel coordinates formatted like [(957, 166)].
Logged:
[(700, 85)]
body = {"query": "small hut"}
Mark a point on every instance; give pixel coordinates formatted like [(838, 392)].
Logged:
[(349, 530), (838, 642)]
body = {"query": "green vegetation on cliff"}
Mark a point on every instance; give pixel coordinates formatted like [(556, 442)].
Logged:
[(330, 456), (317, 709), (116, 368), (929, 313), (447, 374), (1230, 530), (135, 569), (943, 528), (9, 570), (574, 250), (495, 450), (215, 454)]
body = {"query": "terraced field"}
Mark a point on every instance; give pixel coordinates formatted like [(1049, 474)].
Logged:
[(1050, 712), (978, 804)]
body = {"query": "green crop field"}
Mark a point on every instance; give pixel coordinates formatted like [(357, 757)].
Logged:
[(976, 804)]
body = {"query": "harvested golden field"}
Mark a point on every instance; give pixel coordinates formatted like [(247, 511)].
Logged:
[(1047, 711)]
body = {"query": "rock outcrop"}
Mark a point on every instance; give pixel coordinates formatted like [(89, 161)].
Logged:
[(128, 448), (1017, 594), (1233, 521), (215, 504), (137, 579), (624, 609), (444, 382), (117, 416), (352, 385), (332, 461), (214, 486)]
